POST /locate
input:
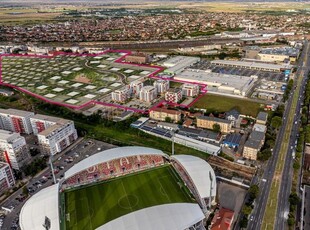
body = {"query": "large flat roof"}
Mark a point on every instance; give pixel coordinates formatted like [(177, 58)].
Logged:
[(200, 172), (164, 217), (109, 155), (42, 204)]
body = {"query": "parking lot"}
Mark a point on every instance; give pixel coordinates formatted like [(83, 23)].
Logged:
[(271, 76), (61, 163)]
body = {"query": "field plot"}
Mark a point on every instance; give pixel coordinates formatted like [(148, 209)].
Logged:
[(69, 79), (92, 206)]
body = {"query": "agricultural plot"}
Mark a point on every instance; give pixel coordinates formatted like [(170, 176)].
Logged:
[(70, 79)]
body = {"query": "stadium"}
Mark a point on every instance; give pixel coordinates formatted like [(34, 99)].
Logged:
[(126, 188)]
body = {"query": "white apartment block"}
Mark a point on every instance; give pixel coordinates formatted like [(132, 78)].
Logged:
[(190, 90), (120, 95), (148, 94), (161, 86), (6, 177), (136, 87), (54, 134), (173, 95), (16, 120), (14, 149)]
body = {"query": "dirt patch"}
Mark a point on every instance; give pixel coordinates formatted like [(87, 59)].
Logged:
[(82, 79)]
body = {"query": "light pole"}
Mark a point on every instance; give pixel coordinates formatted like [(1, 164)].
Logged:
[(172, 139)]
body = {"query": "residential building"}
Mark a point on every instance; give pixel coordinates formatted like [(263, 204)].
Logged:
[(148, 94), (260, 128), (14, 149), (6, 177), (251, 149), (190, 90), (120, 95), (136, 87), (173, 95), (262, 118), (160, 114), (16, 120), (168, 126), (54, 134), (138, 57), (222, 219), (208, 122), (232, 115), (161, 86)]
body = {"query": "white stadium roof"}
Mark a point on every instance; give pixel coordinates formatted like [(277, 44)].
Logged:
[(111, 154), (198, 170), (42, 204), (177, 216)]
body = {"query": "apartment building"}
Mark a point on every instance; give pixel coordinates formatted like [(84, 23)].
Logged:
[(54, 134), (14, 149), (120, 95), (148, 94), (160, 114), (190, 90), (208, 122), (16, 120), (6, 177), (173, 95), (253, 145), (136, 87), (161, 86)]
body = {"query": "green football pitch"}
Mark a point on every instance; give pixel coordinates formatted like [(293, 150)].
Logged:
[(92, 206)]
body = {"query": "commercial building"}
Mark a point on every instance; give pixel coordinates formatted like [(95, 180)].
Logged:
[(253, 65), (208, 122), (173, 95), (177, 64), (139, 58), (217, 82), (54, 134), (279, 54), (160, 114), (6, 177), (232, 140), (16, 120), (14, 149), (148, 94), (120, 95), (136, 87), (190, 90), (161, 86)]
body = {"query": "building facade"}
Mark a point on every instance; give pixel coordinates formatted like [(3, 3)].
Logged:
[(54, 134), (136, 87), (173, 95), (14, 149), (16, 120), (190, 90), (139, 58), (120, 95), (208, 122), (148, 94), (160, 114), (6, 177), (161, 86)]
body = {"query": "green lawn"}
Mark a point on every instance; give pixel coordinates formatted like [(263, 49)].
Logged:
[(223, 104), (92, 206)]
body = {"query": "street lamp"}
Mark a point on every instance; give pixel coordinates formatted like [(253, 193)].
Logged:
[(52, 168)]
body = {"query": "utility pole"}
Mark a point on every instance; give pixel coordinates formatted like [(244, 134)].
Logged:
[(172, 138), (52, 168)]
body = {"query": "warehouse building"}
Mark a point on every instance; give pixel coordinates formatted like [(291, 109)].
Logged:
[(177, 64)]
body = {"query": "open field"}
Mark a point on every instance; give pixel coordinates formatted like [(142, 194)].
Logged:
[(92, 206), (218, 103)]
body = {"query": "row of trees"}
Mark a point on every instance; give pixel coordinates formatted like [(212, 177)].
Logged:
[(288, 89)]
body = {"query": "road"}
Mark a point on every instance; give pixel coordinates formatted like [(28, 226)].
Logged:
[(79, 152), (269, 172)]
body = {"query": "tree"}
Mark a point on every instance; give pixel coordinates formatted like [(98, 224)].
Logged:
[(25, 191), (247, 209), (276, 122), (216, 128), (253, 191), (243, 222), (293, 199), (291, 221), (296, 165), (168, 119)]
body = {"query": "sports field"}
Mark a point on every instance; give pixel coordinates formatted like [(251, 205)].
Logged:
[(90, 207)]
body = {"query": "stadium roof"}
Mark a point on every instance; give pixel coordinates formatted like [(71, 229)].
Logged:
[(198, 170), (42, 204), (164, 217), (111, 154)]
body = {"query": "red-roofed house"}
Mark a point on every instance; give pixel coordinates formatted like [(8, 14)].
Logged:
[(222, 219)]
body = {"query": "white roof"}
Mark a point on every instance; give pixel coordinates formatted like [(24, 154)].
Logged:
[(109, 155), (42, 204), (177, 216), (199, 171)]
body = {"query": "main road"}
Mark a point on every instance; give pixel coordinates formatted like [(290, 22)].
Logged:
[(269, 177)]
